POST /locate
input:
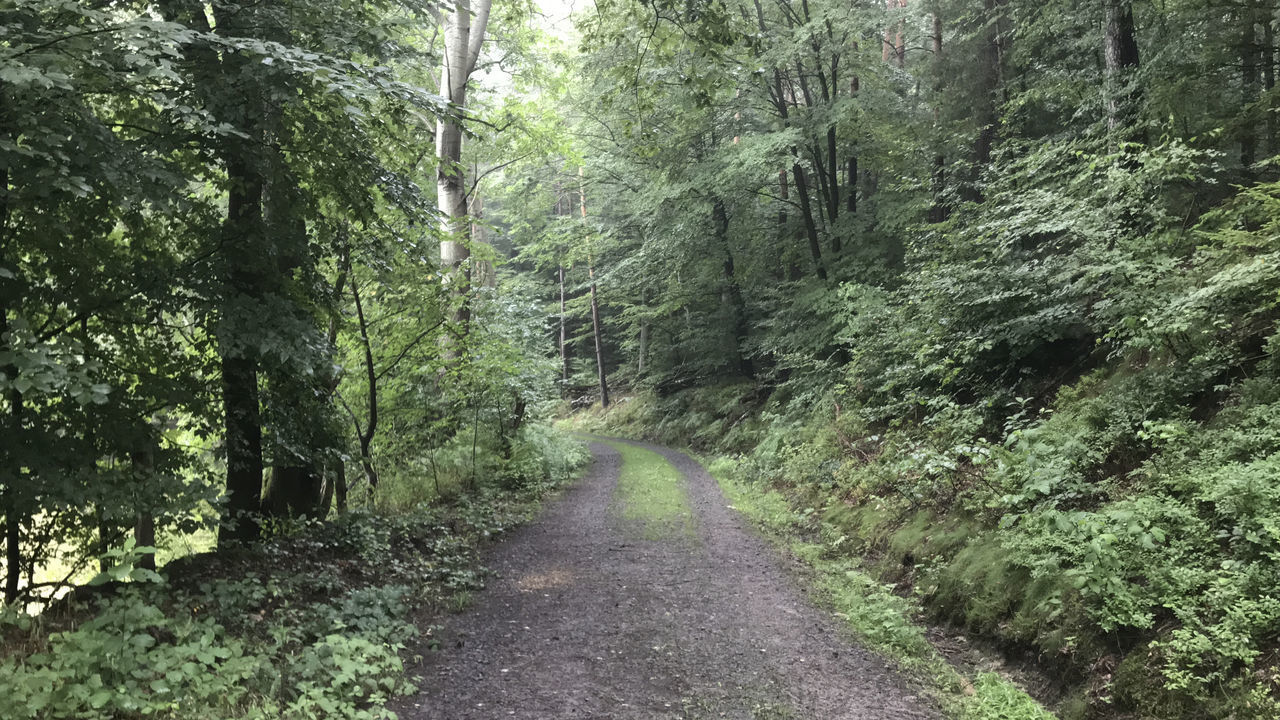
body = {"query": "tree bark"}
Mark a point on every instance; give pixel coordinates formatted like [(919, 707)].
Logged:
[(938, 211), (852, 183), (14, 515), (144, 526), (1120, 49), (462, 41), (1250, 58), (595, 328), (644, 347), (371, 426), (243, 424), (240, 397), (241, 254), (564, 345), (732, 294), (595, 305), (806, 212), (990, 78), (1269, 80)]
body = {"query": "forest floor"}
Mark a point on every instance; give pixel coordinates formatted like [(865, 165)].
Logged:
[(640, 593)]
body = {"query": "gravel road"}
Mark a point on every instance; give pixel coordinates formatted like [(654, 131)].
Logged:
[(584, 619)]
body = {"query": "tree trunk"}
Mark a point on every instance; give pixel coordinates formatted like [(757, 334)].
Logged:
[(371, 426), (990, 78), (12, 552), (595, 305), (245, 265), (14, 515), (340, 489), (644, 347), (784, 193), (1120, 45), (1250, 58), (9, 505), (938, 211), (243, 424), (144, 526), (1269, 80), (732, 293), (595, 329), (852, 183), (895, 44), (806, 212), (462, 41), (241, 255), (564, 346)]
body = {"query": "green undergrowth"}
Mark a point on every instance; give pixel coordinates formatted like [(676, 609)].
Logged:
[(724, 418), (1125, 533), (882, 620), (650, 495), (314, 623)]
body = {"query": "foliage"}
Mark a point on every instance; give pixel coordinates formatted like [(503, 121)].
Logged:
[(314, 625)]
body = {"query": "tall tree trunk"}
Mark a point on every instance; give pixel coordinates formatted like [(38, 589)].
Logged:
[(643, 351), (1250, 58), (14, 514), (851, 182), (985, 115), (371, 426), (144, 526), (595, 329), (12, 551), (463, 38), (806, 212), (240, 396), (731, 295), (938, 211), (1269, 79), (784, 193), (1120, 45), (595, 304), (243, 423), (242, 254), (895, 44), (564, 345), (340, 490)]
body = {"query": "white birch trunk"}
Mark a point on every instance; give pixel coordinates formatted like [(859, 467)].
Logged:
[(463, 37)]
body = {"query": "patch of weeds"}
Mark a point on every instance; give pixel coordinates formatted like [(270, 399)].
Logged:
[(650, 495), (995, 698)]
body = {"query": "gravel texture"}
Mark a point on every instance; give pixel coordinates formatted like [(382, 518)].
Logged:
[(584, 619)]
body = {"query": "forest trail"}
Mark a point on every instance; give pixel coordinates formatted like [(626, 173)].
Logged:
[(590, 614)]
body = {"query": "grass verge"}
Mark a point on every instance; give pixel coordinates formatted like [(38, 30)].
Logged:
[(882, 620)]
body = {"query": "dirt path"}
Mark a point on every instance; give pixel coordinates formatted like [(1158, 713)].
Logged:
[(584, 619)]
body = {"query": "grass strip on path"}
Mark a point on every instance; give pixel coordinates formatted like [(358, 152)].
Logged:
[(650, 495)]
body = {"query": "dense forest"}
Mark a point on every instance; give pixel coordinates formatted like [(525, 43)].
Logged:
[(292, 292)]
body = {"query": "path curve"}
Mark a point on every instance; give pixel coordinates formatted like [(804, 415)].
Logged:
[(584, 620)]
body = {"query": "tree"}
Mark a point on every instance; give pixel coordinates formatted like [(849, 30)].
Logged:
[(463, 39)]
